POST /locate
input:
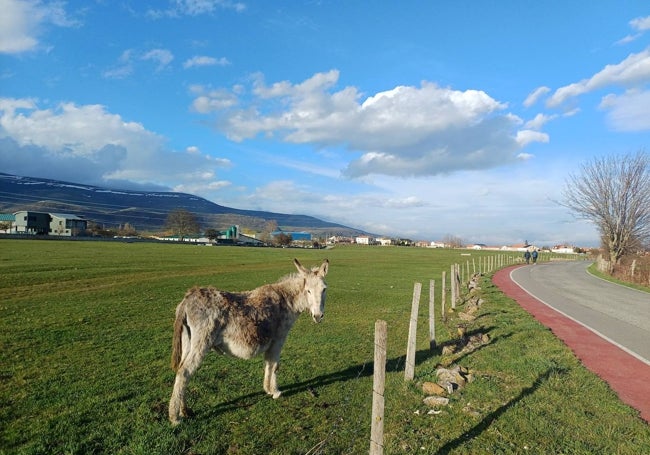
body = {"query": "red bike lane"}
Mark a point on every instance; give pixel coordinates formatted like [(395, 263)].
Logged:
[(628, 376)]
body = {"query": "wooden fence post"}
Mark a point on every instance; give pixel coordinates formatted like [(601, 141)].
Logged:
[(432, 315), (444, 295), (457, 279), (378, 385), (459, 282), (409, 370), (452, 280)]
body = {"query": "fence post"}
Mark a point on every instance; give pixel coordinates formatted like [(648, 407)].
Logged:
[(444, 295), (432, 315), (409, 371), (378, 385), (452, 280), (457, 279)]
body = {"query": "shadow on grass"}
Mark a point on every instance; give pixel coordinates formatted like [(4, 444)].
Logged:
[(311, 385), (490, 418)]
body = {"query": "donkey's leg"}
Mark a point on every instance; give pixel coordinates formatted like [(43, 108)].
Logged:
[(191, 361), (271, 366)]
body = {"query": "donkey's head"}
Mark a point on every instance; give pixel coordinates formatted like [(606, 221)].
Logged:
[(315, 288)]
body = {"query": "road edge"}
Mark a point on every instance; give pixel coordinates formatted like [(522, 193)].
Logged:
[(626, 375)]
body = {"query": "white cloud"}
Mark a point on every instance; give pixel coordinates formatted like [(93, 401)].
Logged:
[(535, 95), (126, 62), (23, 21), (179, 8), (404, 131), (202, 188), (203, 60), (124, 67), (525, 137), (539, 121), (90, 145), (162, 56), (629, 111), (632, 71), (494, 207), (641, 24)]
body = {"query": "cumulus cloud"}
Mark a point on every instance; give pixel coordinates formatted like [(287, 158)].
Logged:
[(23, 21), (632, 71), (405, 131), (87, 144), (204, 60)]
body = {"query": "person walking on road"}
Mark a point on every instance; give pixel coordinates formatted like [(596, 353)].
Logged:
[(534, 256), (527, 256)]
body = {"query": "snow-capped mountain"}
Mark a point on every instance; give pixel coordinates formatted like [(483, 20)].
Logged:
[(145, 210)]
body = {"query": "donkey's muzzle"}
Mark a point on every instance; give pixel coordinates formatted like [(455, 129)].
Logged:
[(317, 317)]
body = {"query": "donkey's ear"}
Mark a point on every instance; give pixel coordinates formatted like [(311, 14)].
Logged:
[(299, 266), (324, 268)]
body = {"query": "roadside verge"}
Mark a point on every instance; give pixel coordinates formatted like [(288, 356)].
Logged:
[(626, 375)]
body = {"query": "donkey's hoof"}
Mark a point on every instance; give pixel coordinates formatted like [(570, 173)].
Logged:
[(276, 395), (174, 421)]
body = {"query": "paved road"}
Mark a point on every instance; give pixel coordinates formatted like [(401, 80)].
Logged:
[(617, 313)]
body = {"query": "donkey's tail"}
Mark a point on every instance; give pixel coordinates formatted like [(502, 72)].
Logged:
[(177, 340)]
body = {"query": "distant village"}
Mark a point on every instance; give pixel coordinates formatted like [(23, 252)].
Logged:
[(26, 223)]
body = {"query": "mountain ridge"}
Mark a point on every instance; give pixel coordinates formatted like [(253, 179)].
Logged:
[(145, 210)]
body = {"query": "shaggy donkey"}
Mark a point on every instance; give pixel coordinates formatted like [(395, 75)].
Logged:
[(242, 324)]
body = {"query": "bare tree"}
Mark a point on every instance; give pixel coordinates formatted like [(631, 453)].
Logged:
[(452, 241), (283, 239), (614, 193), (182, 223)]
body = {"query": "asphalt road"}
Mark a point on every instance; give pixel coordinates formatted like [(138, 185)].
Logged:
[(619, 314)]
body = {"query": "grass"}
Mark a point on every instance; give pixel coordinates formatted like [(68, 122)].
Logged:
[(593, 269), (85, 333)]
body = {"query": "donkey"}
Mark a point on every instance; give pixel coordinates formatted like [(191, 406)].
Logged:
[(242, 324)]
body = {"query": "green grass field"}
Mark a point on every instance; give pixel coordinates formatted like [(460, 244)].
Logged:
[(85, 336)]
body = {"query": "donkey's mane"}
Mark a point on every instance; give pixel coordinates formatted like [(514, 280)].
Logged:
[(290, 282)]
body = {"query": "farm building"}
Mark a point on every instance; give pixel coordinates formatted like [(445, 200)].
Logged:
[(364, 240), (66, 225), (563, 249), (300, 236), (232, 235), (43, 223)]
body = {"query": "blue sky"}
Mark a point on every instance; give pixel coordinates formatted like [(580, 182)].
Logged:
[(419, 119)]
